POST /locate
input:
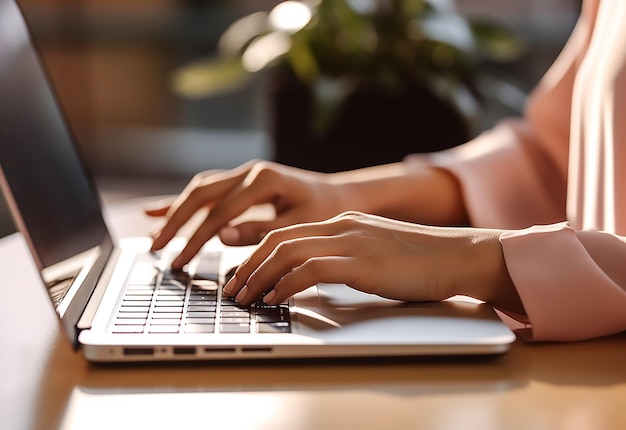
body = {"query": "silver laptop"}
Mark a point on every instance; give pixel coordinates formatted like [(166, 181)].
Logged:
[(119, 302)]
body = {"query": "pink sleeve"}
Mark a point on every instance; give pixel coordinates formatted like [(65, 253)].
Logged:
[(571, 283), (515, 175), (506, 179)]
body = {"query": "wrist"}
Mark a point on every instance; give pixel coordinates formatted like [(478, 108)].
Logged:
[(492, 282)]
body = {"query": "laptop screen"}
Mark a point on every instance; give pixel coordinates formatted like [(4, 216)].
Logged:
[(51, 195)]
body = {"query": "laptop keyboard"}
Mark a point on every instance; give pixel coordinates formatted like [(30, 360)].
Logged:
[(158, 301)]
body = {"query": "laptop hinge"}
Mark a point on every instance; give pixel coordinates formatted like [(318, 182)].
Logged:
[(86, 319)]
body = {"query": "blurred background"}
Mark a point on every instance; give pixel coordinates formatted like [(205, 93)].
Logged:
[(112, 64)]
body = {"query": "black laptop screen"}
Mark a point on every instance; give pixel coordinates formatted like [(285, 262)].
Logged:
[(56, 205)]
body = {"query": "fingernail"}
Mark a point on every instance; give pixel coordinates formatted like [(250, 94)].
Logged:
[(230, 235), (242, 294), (228, 288), (269, 297), (178, 263), (156, 241)]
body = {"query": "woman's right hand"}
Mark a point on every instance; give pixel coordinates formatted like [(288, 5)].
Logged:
[(297, 196)]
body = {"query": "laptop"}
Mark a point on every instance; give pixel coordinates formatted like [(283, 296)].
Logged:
[(117, 302)]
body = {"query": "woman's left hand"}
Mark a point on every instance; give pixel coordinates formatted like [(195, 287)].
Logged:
[(375, 255)]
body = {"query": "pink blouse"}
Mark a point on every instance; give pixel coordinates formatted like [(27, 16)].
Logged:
[(556, 179)]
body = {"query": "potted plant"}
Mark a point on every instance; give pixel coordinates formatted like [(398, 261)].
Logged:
[(357, 82)]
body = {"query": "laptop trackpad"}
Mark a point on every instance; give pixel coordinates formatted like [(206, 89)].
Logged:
[(340, 312)]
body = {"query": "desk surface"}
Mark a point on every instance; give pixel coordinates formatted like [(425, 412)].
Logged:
[(45, 384)]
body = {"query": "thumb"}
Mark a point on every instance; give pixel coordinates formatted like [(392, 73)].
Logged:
[(248, 233)]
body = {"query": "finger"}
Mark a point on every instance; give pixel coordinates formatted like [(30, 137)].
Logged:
[(252, 232), (228, 196), (195, 243), (169, 203), (330, 269), (248, 233), (267, 247), (196, 196), (283, 259)]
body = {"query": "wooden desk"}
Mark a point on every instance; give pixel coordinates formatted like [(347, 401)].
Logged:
[(44, 384)]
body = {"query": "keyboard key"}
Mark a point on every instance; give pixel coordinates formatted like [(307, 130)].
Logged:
[(167, 315), (194, 308), (235, 314), (166, 292), (176, 277), (169, 303), (138, 293), (272, 314), (229, 301), (132, 315), (168, 309), (235, 328), (140, 287), (128, 329), (166, 329), (207, 266), (134, 304), (210, 314), (130, 321), (204, 285), (211, 303), (236, 320), (137, 298), (201, 320), (203, 294), (179, 297), (134, 308), (199, 328), (165, 321), (235, 308)]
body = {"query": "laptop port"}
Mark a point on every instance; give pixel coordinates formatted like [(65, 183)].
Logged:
[(181, 350), (138, 351), (220, 350), (256, 349)]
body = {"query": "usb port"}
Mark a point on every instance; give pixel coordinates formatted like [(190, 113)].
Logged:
[(256, 349), (220, 350), (138, 351), (182, 350)]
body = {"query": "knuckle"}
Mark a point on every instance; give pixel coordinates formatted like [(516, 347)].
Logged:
[(198, 178), (349, 219), (202, 177), (313, 268), (270, 237), (285, 250), (263, 170), (352, 216)]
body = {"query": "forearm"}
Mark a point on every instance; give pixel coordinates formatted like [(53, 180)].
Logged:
[(426, 195)]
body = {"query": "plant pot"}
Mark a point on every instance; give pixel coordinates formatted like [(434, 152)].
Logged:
[(372, 126)]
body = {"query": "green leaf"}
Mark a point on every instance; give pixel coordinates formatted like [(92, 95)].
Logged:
[(302, 60), (241, 32), (209, 78), (496, 42)]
